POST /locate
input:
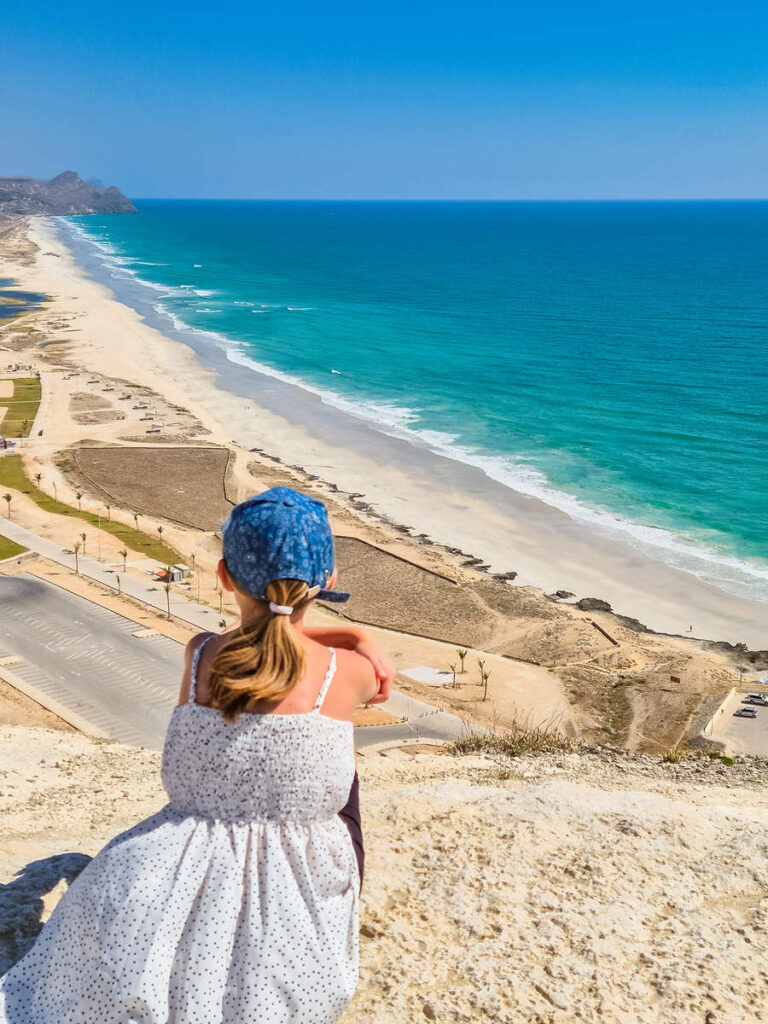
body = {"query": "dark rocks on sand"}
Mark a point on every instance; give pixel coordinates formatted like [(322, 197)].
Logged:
[(634, 624), (511, 575), (593, 604)]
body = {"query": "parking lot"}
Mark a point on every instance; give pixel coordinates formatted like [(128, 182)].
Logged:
[(742, 735)]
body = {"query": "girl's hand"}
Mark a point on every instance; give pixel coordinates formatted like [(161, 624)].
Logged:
[(385, 671)]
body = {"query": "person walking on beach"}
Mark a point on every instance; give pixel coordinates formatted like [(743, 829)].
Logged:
[(238, 902)]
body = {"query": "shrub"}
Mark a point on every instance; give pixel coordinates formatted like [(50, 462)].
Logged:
[(513, 741)]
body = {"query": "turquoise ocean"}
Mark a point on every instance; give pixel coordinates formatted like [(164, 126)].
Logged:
[(608, 358)]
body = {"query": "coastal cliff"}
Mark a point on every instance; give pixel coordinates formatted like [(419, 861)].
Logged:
[(565, 888), (66, 195)]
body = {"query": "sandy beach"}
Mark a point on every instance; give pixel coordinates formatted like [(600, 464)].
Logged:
[(454, 504)]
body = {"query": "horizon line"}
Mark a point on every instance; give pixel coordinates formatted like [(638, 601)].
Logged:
[(389, 199)]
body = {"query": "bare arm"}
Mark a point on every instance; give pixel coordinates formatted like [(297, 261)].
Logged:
[(359, 640)]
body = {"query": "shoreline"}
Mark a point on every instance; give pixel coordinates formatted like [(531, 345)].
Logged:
[(457, 505)]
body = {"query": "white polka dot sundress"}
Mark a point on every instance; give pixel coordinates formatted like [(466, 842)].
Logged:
[(235, 904)]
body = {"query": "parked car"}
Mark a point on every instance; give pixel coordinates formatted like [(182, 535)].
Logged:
[(745, 713), (756, 698)]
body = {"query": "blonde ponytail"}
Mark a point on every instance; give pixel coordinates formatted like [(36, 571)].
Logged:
[(262, 662)]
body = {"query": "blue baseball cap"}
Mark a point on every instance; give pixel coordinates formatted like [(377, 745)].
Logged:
[(280, 534)]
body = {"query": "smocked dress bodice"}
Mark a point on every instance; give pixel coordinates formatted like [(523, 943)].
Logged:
[(270, 768)]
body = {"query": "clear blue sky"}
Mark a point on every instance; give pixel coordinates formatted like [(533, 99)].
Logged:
[(476, 100)]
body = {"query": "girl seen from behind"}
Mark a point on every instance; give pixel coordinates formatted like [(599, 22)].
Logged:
[(238, 902)]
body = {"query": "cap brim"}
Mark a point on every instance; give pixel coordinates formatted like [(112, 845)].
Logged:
[(335, 596)]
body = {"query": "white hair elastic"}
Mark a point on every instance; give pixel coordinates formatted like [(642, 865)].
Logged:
[(280, 609)]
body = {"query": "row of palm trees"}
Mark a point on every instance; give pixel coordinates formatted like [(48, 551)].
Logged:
[(462, 652), (80, 544)]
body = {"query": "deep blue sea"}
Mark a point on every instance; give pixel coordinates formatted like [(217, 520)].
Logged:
[(610, 358)]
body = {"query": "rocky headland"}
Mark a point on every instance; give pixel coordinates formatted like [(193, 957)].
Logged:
[(66, 195)]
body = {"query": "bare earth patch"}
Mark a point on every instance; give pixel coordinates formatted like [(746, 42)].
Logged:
[(18, 709), (398, 594), (185, 485), (105, 416), (85, 403)]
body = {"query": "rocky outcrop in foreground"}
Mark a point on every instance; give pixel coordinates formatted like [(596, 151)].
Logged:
[(66, 195), (592, 887)]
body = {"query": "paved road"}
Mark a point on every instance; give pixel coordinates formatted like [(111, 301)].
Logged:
[(423, 722), (89, 660), (145, 590)]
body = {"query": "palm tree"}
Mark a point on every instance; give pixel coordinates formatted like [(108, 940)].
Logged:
[(481, 666), (119, 587), (124, 555), (160, 531), (76, 548), (222, 623), (462, 653), (8, 498), (38, 478), (108, 507), (452, 667), (79, 496), (167, 589), (82, 538), (136, 520), (485, 676)]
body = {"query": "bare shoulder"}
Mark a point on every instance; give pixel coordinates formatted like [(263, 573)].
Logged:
[(192, 648), (197, 641)]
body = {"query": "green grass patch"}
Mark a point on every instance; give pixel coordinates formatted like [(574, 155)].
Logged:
[(22, 408), (12, 475), (9, 549)]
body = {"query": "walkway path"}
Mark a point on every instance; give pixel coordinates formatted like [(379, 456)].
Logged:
[(147, 591)]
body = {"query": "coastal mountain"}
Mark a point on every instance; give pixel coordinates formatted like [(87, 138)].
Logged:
[(65, 195)]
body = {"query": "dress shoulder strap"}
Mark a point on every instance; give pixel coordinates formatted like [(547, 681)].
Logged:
[(326, 682), (195, 666)]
